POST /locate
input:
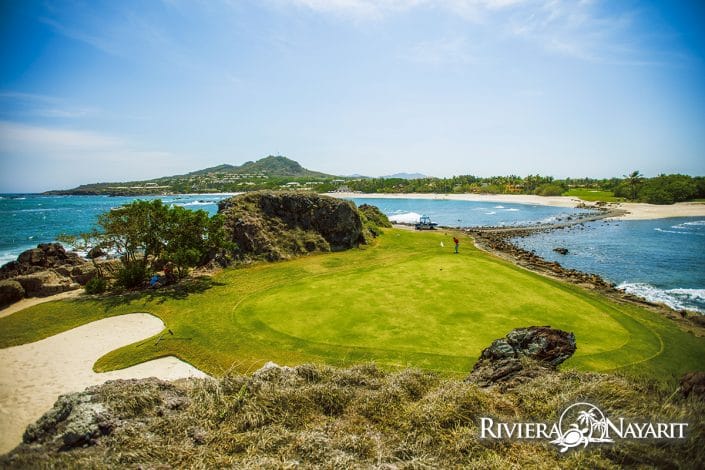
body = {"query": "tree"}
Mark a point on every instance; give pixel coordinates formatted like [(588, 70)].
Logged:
[(634, 180), (146, 234)]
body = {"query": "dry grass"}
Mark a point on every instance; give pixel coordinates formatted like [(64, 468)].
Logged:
[(315, 416)]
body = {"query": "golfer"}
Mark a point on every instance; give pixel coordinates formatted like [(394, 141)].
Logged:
[(457, 244)]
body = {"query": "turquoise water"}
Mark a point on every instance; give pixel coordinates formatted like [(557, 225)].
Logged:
[(467, 213), (28, 219), (661, 260)]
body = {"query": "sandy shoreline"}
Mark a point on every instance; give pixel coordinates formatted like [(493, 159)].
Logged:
[(33, 375), (635, 211)]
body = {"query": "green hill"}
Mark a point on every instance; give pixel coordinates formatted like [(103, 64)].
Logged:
[(271, 172)]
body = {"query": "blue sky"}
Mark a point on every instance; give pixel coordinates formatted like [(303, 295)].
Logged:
[(124, 90)]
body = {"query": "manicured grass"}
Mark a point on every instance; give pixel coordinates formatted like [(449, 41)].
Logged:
[(593, 195), (406, 301)]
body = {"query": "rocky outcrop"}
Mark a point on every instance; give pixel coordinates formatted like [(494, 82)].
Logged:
[(45, 270), (522, 355), (75, 420), (44, 256), (693, 384), (280, 225), (561, 250), (11, 291)]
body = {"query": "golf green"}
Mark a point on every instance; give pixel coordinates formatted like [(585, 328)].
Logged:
[(407, 300)]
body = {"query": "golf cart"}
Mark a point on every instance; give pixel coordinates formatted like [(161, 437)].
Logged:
[(425, 223)]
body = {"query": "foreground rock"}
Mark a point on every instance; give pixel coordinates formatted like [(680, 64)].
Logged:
[(315, 416), (280, 225), (523, 354), (693, 384)]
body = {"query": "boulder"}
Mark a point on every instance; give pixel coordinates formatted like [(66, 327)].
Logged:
[(45, 256), (279, 225), (693, 384), (11, 291), (561, 251), (521, 355), (45, 283), (95, 252), (83, 273)]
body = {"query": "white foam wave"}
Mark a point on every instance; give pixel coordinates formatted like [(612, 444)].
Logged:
[(405, 218), (490, 213), (511, 209), (195, 203), (677, 299), (498, 207), (695, 222), (679, 231)]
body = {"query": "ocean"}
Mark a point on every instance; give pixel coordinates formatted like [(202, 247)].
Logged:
[(660, 260)]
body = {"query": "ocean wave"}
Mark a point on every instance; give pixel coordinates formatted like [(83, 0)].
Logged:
[(677, 299), (695, 222), (511, 209), (680, 231), (498, 207), (195, 203), (490, 213), (405, 218)]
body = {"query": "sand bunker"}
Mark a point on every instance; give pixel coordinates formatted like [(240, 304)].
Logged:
[(33, 375)]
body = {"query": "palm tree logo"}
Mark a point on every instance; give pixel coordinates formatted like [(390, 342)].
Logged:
[(590, 426)]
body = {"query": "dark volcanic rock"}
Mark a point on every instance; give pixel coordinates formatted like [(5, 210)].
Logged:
[(693, 383), (279, 225), (561, 251), (95, 252), (10, 292), (523, 354), (45, 256)]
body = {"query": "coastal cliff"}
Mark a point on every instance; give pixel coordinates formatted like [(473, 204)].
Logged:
[(281, 225)]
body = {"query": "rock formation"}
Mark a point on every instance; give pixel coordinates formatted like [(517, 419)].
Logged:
[(42, 271), (280, 225), (521, 355), (693, 384)]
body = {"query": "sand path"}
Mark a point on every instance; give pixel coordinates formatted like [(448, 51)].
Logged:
[(28, 302), (33, 375)]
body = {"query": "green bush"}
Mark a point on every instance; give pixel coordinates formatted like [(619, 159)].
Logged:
[(97, 285), (132, 275)]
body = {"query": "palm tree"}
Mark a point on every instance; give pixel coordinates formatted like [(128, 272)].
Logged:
[(634, 180)]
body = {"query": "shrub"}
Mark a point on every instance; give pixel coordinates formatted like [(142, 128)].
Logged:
[(96, 285), (131, 275)]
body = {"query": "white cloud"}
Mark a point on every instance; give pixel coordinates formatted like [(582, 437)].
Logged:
[(41, 158), (31, 104)]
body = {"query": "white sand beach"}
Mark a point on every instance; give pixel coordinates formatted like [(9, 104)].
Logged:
[(33, 375), (635, 211)]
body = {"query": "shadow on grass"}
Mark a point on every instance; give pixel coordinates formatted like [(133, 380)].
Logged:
[(179, 291)]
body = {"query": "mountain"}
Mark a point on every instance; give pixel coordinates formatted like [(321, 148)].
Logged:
[(267, 173), (270, 166), (406, 176)]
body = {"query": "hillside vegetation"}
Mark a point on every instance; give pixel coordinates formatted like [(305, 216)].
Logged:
[(403, 301), (316, 416)]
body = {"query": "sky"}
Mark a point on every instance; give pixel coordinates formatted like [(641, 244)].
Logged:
[(95, 91)]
